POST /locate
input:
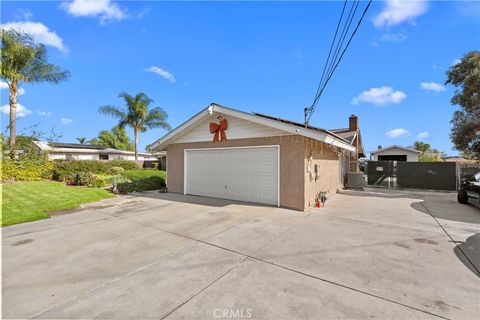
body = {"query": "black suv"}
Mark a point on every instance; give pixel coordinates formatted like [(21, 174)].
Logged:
[(470, 190)]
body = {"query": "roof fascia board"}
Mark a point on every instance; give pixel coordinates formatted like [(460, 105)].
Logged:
[(285, 127)]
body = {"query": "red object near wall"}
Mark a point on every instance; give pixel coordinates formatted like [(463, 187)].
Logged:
[(218, 130)]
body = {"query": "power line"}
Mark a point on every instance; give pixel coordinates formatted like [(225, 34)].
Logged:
[(331, 47), (340, 42), (309, 112)]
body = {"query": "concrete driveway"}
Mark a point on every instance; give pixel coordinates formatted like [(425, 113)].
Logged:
[(371, 254)]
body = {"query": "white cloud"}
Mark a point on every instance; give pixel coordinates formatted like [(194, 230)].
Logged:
[(105, 10), (396, 12), (21, 110), (4, 85), (397, 133), (456, 61), (432, 86), (163, 73), (44, 113), (380, 96), (39, 32), (423, 135), (66, 120), (23, 14), (393, 37)]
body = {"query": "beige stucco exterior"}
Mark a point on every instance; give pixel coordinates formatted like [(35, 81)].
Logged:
[(298, 156)]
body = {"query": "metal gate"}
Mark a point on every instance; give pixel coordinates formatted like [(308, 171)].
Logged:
[(417, 175)]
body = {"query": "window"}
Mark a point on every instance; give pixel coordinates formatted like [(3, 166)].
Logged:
[(103, 156)]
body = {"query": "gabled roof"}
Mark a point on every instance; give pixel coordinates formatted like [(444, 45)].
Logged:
[(290, 127), (345, 134), (398, 147)]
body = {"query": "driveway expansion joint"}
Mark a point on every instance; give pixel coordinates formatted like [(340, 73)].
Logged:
[(279, 266)]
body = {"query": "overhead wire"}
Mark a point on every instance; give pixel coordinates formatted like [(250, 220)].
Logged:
[(335, 62)]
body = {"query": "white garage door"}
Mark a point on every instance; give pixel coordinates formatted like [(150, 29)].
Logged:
[(243, 174)]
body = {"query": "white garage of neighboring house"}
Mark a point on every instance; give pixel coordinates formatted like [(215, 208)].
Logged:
[(225, 153), (396, 153)]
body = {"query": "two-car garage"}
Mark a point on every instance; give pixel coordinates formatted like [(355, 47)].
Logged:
[(245, 174), (229, 154)]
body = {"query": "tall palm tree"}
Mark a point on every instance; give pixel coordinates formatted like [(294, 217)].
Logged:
[(81, 140), (24, 61), (137, 115)]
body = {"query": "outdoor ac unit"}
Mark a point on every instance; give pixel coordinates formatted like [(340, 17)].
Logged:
[(355, 180)]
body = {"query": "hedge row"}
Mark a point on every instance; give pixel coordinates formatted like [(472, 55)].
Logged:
[(67, 170), (125, 175), (26, 170), (39, 169)]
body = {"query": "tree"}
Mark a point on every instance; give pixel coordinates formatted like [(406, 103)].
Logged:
[(137, 115), (81, 140), (465, 76), (421, 146), (116, 138), (428, 154), (24, 61)]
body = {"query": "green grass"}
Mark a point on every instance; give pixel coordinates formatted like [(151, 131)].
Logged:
[(142, 174), (29, 201)]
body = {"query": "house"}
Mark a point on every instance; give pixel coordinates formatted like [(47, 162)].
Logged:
[(226, 153), (395, 152), (75, 151)]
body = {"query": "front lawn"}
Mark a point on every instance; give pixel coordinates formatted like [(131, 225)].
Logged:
[(29, 201)]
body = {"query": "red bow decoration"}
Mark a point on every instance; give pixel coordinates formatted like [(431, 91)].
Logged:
[(219, 130)]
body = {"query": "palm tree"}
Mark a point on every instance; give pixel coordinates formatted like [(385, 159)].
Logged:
[(81, 140), (24, 61), (137, 115), (421, 146)]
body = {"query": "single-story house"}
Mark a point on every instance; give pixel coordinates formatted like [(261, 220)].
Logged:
[(226, 153), (76, 151), (395, 153)]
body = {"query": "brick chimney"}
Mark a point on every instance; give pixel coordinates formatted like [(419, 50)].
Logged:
[(353, 123)]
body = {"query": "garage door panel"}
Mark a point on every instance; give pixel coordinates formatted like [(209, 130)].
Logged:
[(244, 174)]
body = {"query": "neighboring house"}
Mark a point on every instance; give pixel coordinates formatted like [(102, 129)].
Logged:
[(256, 158), (75, 151), (397, 153)]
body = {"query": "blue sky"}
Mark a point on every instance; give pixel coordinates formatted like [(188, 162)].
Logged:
[(254, 56)]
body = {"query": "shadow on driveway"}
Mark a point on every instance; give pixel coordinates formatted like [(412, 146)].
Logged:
[(196, 200), (470, 249), (443, 206)]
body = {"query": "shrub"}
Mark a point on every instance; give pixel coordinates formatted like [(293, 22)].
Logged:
[(102, 181), (67, 170), (141, 180), (115, 170), (84, 179), (125, 164), (144, 184), (26, 170)]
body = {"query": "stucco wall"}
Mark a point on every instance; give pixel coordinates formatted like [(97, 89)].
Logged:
[(292, 164), (329, 177)]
